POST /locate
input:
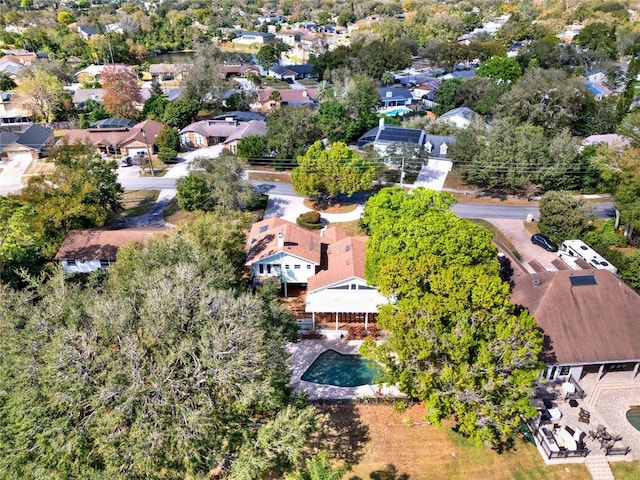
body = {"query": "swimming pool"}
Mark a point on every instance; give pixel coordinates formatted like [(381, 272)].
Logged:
[(333, 368), (633, 417)]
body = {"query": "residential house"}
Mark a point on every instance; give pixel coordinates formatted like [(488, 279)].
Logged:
[(268, 100), (612, 140), (118, 138), (595, 83), (383, 136), (340, 292), (164, 72), (228, 131), (12, 114), (27, 145), (589, 320), (239, 70), (91, 73), (249, 38), (87, 31), (289, 37), (290, 72), (11, 64), (462, 117), (394, 97), (85, 251), (114, 28), (81, 95), (282, 251)]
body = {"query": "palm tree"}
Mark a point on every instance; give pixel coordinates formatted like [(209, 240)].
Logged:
[(388, 78)]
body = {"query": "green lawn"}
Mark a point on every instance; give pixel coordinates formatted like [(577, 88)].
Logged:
[(626, 470), (377, 443)]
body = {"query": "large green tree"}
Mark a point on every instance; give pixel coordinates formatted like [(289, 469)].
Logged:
[(215, 183), (161, 372), (453, 338), (563, 215), (41, 93), (82, 192), (548, 98), (290, 131), (500, 70), (331, 171)]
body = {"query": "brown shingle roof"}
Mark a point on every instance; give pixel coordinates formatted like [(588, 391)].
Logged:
[(115, 138), (346, 259), (102, 244), (582, 323), (263, 241)]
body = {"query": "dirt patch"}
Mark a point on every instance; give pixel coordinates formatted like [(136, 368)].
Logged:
[(284, 177), (379, 442), (175, 215), (324, 207), (492, 199)]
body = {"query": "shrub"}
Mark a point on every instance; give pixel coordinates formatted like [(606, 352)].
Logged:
[(373, 332), (168, 155), (400, 405), (310, 220), (356, 332)]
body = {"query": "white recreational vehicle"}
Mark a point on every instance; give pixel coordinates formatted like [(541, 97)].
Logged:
[(572, 250)]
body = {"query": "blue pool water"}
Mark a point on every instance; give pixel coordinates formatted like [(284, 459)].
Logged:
[(333, 368), (633, 417)]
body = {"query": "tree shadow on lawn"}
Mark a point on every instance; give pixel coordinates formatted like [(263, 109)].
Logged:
[(390, 472), (343, 434)]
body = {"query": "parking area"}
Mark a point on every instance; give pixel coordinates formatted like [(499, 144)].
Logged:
[(521, 239)]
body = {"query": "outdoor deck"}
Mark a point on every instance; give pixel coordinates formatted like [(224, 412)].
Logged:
[(607, 402)]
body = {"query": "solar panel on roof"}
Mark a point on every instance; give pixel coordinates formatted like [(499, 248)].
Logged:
[(582, 280), (113, 123)]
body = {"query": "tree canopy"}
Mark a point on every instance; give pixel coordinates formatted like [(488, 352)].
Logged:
[(563, 215), (121, 91), (454, 339), (331, 171), (162, 371)]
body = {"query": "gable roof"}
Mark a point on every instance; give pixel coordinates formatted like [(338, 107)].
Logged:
[(102, 244), (389, 134), (394, 93), (81, 95), (263, 241), (345, 259), (34, 136), (463, 112), (246, 129), (582, 321), (115, 137)]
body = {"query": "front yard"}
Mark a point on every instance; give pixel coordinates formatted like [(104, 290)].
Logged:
[(376, 441)]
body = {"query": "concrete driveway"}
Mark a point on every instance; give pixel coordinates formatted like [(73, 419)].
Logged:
[(521, 239)]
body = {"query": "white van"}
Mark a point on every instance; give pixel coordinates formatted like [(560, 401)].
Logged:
[(571, 250)]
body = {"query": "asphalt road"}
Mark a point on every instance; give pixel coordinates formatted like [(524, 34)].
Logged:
[(464, 210)]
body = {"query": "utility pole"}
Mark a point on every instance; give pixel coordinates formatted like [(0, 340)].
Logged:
[(146, 141)]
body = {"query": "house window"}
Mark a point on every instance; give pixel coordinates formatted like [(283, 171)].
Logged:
[(308, 266), (198, 139), (286, 267), (296, 267), (564, 371), (353, 286), (260, 269), (104, 263)]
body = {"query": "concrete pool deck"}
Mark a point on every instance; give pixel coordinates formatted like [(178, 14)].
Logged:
[(304, 353)]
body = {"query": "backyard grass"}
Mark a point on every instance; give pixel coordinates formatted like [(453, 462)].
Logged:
[(376, 442), (138, 202), (626, 470)]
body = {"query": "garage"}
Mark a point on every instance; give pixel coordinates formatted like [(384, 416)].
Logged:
[(133, 151), (20, 156)]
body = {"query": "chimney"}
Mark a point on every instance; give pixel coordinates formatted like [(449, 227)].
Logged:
[(281, 239), (381, 124)]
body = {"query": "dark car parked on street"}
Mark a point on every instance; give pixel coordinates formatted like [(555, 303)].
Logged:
[(544, 242)]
